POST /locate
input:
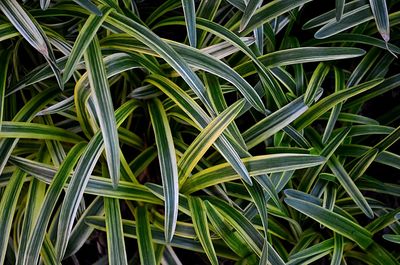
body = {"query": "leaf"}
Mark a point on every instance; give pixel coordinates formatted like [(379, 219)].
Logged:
[(8, 204), (144, 237), (104, 107), (251, 7), (392, 238), (87, 4), (205, 139), (220, 69), (98, 186), (380, 12), (86, 35), (31, 32), (353, 18), (239, 222), (274, 122), (199, 218), (164, 50), (5, 58), (37, 131), (193, 110), (190, 18), (25, 114), (328, 102), (270, 11), (333, 221), (81, 232), (168, 165), (301, 55), (340, 4), (37, 237), (114, 230), (316, 80), (75, 191), (257, 165), (338, 247)]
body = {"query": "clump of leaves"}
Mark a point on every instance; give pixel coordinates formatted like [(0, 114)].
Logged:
[(235, 132)]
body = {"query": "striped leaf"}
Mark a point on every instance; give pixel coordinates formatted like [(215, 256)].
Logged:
[(168, 165), (32, 33), (200, 223), (115, 235), (205, 139), (104, 107), (144, 237)]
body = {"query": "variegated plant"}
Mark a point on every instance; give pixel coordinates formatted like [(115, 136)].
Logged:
[(197, 132)]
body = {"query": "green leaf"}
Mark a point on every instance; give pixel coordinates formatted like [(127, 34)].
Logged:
[(86, 35), (328, 102), (144, 237), (190, 18), (164, 50), (205, 139), (114, 230), (239, 222), (36, 239), (301, 55), (75, 191), (251, 7), (338, 247), (274, 122), (353, 18), (256, 165), (199, 218), (104, 107), (168, 165), (81, 232), (339, 4), (87, 4), (5, 58), (98, 186), (392, 238), (8, 205), (193, 110), (380, 12), (315, 83), (270, 11), (32, 33), (37, 131), (26, 114), (333, 221)]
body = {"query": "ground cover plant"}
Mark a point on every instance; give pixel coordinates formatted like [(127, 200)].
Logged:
[(199, 132)]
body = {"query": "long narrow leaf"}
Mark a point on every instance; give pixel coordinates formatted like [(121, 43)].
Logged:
[(104, 107), (168, 165)]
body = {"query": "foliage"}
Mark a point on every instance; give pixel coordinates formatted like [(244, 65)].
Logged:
[(235, 132)]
